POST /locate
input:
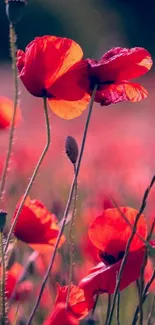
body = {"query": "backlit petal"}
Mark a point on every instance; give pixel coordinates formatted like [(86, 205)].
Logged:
[(115, 93), (120, 64), (69, 109), (46, 59), (110, 232)]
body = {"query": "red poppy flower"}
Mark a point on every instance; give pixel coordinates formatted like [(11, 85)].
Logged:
[(20, 291), (78, 307), (110, 233), (51, 66), (6, 113), (113, 71), (36, 226)]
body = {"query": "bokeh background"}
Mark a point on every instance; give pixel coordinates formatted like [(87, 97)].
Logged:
[(119, 158)]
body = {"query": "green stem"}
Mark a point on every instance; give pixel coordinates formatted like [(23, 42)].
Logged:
[(3, 277), (34, 173), (67, 207), (71, 244), (12, 128), (108, 308)]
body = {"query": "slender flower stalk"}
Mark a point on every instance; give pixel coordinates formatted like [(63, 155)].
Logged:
[(108, 308), (128, 247), (34, 173), (71, 243), (118, 309), (67, 206), (12, 128), (3, 278), (151, 311)]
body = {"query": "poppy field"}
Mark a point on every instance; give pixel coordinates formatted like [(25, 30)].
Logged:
[(77, 180)]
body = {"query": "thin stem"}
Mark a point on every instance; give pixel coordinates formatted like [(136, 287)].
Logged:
[(108, 308), (70, 237), (118, 309), (34, 173), (3, 277), (151, 311), (67, 206), (145, 291), (144, 200), (12, 128)]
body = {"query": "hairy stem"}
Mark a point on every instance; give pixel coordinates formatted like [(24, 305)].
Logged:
[(71, 244), (3, 278), (12, 128)]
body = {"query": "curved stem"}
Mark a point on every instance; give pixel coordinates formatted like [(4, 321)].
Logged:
[(67, 206), (71, 244), (12, 128), (3, 277), (34, 173)]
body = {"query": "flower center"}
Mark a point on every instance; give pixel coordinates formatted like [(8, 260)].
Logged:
[(96, 81), (110, 259)]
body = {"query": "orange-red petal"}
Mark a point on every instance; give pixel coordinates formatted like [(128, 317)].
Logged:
[(120, 64), (36, 226), (114, 93), (6, 113), (69, 109), (110, 232), (102, 278), (77, 302), (45, 60)]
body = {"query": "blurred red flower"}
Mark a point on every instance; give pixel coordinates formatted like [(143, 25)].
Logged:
[(78, 307), (6, 113), (18, 291), (113, 70), (110, 233), (51, 66), (37, 226)]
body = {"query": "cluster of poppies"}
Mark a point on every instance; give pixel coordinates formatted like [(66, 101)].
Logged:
[(52, 67)]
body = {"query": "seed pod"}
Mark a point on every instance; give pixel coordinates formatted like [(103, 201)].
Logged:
[(71, 148), (15, 10), (3, 215)]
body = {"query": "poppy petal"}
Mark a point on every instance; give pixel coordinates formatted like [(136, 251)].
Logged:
[(121, 64), (73, 84), (69, 109), (110, 232), (103, 278), (119, 92), (36, 226), (45, 60)]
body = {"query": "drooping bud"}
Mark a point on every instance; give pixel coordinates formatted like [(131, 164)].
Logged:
[(3, 215), (71, 148), (15, 10)]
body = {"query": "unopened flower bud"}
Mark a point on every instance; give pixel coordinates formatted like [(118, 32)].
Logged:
[(71, 149), (3, 215), (15, 10)]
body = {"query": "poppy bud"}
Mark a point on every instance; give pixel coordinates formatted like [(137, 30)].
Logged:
[(14, 10), (71, 149), (3, 215)]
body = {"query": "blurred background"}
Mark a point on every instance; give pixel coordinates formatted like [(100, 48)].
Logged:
[(119, 158)]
